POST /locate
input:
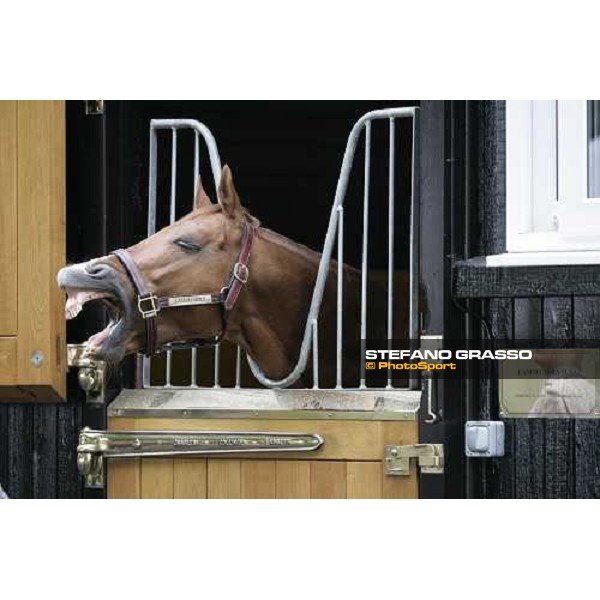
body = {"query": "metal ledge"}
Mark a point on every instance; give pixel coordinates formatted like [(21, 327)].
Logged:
[(474, 278), (227, 403)]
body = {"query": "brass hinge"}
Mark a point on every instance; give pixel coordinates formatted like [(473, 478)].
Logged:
[(94, 107), (92, 372), (430, 459), (95, 446)]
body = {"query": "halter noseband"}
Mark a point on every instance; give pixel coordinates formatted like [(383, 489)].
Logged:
[(150, 305)]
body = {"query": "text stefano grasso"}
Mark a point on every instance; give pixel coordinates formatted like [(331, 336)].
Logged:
[(448, 354)]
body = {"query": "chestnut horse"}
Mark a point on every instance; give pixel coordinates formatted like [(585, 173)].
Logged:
[(195, 255)]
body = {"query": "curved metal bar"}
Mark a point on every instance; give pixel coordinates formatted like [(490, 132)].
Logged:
[(204, 131), (340, 195)]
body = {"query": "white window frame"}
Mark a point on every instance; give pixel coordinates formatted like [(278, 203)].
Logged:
[(546, 186)]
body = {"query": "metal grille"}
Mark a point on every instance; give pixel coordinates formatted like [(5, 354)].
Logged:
[(334, 239)]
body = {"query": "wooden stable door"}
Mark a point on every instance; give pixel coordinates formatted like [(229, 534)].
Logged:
[(32, 249), (349, 464)]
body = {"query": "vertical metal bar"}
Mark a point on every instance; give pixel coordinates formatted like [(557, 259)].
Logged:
[(196, 162), (315, 353), (415, 242), (152, 177), (365, 250), (217, 353), (340, 296), (238, 367), (391, 202), (173, 175), (172, 216), (146, 370), (168, 370), (194, 371), (217, 365)]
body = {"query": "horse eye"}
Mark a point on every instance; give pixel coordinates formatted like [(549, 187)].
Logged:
[(187, 245)]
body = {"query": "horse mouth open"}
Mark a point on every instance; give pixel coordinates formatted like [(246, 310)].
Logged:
[(99, 282)]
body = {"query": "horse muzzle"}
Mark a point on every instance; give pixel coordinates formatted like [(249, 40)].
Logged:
[(99, 282)]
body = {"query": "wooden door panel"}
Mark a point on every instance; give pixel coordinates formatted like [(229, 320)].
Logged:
[(224, 478), (189, 478), (41, 246), (292, 479), (364, 480), (8, 360), (199, 478), (32, 249), (309, 475), (327, 479), (8, 219), (124, 478), (258, 479), (157, 478)]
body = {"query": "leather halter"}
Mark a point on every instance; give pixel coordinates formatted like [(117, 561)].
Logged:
[(150, 305)]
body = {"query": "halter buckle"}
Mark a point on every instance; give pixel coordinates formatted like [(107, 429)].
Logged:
[(241, 272), (150, 311)]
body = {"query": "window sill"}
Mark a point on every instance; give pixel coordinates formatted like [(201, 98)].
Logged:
[(530, 259), (528, 274)]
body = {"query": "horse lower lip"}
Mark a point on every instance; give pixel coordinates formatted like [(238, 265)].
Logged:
[(97, 340)]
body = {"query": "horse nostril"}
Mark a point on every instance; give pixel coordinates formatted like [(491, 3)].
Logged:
[(98, 271)]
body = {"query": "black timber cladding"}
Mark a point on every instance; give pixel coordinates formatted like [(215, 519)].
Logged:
[(472, 279)]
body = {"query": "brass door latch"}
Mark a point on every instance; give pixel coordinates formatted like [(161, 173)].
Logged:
[(429, 457)]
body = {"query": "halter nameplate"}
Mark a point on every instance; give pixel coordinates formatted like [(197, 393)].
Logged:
[(198, 299)]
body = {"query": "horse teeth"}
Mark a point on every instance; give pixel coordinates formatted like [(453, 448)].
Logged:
[(72, 311)]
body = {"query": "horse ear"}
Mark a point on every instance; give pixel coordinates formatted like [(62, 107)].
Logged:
[(228, 196), (201, 198)]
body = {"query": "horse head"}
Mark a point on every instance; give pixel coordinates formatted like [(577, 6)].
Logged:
[(192, 257)]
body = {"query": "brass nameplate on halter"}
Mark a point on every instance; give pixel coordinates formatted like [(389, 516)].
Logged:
[(94, 446), (191, 300)]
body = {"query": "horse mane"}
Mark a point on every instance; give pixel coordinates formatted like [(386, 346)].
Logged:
[(303, 251), (249, 217), (291, 245)]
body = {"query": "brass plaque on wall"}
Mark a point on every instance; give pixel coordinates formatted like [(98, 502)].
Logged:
[(554, 383)]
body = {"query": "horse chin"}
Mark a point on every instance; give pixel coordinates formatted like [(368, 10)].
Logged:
[(109, 344)]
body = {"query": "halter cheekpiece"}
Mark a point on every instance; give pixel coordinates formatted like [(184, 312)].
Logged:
[(150, 305)]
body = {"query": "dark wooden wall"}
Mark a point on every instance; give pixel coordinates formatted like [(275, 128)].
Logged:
[(545, 458), (37, 450)]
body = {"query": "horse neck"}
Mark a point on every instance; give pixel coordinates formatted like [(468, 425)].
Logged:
[(270, 319)]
